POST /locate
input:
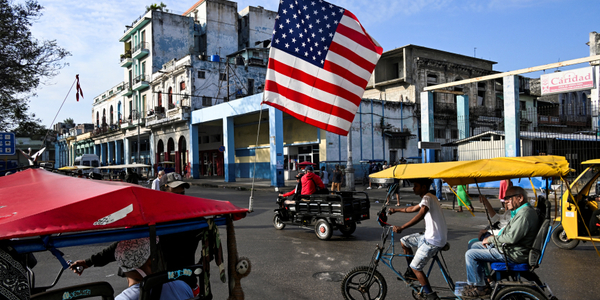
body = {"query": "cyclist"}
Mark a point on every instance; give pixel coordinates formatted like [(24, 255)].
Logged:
[(428, 243)]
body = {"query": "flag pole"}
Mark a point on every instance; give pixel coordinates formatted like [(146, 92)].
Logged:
[(349, 166)]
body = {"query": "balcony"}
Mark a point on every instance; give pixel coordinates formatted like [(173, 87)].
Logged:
[(127, 91), (140, 50), (126, 60), (140, 82), (175, 114)]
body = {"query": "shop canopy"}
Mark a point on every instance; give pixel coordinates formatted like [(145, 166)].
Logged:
[(36, 202), (483, 170)]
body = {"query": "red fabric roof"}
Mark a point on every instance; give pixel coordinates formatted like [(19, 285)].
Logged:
[(37, 202)]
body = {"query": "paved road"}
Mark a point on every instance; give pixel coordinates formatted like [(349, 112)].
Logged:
[(293, 264)]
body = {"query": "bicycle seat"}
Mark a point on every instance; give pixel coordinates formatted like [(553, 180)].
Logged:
[(446, 247)]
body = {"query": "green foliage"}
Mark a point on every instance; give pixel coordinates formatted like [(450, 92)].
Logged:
[(25, 62), (161, 7), (32, 128), (70, 122)]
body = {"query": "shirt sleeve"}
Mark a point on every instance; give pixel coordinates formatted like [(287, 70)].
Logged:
[(104, 257), (425, 201)]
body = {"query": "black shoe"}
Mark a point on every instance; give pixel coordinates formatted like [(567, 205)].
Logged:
[(409, 275), (430, 296)]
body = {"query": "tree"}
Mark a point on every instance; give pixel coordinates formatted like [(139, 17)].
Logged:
[(161, 7), (69, 122), (25, 62)]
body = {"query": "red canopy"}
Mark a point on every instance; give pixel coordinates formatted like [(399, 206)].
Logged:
[(37, 202)]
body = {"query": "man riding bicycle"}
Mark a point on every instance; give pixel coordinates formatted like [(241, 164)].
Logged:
[(428, 243)]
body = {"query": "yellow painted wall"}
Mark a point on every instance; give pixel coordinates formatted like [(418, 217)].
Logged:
[(245, 136), (295, 131), (323, 146), (262, 155)]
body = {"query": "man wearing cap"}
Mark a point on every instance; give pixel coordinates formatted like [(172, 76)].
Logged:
[(178, 249), (133, 257), (310, 181)]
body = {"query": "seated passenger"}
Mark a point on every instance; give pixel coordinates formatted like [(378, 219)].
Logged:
[(133, 257), (498, 220), (515, 240), (295, 193), (310, 182)]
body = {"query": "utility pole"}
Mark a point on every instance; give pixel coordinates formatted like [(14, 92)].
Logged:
[(349, 166)]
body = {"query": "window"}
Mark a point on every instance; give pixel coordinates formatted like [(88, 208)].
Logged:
[(250, 86), (171, 95), (206, 101), (522, 106), (432, 79), (396, 70), (205, 139), (159, 98), (398, 143), (182, 86), (454, 134), (440, 133), (481, 93), (201, 74), (222, 76)]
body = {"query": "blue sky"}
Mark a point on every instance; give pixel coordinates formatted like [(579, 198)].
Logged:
[(515, 33)]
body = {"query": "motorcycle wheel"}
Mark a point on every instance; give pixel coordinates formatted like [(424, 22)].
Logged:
[(323, 229), (559, 238), (347, 230), (519, 293), (355, 285), (277, 222)]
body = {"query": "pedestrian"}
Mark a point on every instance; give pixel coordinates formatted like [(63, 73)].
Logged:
[(156, 182), (463, 193), (393, 189), (337, 179), (438, 189), (324, 176)]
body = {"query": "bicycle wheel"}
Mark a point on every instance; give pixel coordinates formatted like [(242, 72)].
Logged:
[(356, 285), (519, 293)]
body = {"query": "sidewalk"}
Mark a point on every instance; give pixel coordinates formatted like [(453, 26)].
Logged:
[(375, 195)]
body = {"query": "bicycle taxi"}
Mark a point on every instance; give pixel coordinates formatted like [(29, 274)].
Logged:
[(508, 280), (45, 211)]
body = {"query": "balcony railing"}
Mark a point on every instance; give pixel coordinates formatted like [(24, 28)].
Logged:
[(126, 60), (140, 50), (139, 79)]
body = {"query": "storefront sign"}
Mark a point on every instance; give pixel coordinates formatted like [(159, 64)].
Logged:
[(567, 81)]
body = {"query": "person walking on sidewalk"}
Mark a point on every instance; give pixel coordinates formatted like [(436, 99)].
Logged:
[(337, 179), (393, 189), (463, 193)]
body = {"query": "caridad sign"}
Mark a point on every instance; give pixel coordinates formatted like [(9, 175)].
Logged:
[(567, 81)]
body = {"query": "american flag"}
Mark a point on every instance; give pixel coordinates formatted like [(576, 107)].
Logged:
[(320, 61)]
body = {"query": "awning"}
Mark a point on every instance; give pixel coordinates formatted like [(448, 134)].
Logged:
[(37, 202)]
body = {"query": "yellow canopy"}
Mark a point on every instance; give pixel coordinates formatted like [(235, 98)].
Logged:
[(71, 168), (591, 162), (483, 170)]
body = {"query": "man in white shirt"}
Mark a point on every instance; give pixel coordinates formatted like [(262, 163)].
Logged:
[(156, 182), (427, 244)]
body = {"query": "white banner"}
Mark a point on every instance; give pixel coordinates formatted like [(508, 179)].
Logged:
[(567, 81)]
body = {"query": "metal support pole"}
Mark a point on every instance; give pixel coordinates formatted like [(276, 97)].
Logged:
[(349, 166)]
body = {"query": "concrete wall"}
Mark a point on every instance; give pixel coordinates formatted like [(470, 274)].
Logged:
[(172, 38), (221, 27), (367, 136), (255, 25)]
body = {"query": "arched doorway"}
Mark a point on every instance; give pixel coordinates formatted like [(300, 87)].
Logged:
[(183, 160), (97, 119), (170, 149), (111, 115)]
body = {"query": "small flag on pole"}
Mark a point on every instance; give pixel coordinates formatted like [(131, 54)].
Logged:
[(320, 62), (78, 89)]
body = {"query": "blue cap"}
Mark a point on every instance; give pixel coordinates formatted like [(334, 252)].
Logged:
[(309, 168)]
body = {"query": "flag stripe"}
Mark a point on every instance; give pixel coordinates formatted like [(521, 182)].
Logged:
[(351, 45), (344, 57), (356, 24), (308, 68), (312, 104), (311, 86), (344, 72), (321, 125), (351, 29)]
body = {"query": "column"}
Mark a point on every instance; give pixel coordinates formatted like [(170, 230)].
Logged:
[(194, 154), (512, 117), (427, 126), (462, 116), (276, 147), (229, 153), (126, 150), (118, 152), (103, 153), (57, 155)]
